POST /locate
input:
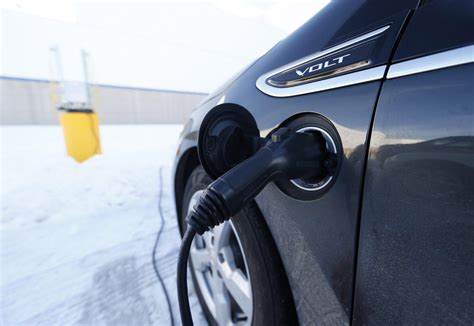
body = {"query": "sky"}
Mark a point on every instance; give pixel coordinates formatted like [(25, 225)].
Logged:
[(179, 45)]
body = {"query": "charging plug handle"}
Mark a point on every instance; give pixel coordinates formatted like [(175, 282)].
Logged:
[(286, 154)]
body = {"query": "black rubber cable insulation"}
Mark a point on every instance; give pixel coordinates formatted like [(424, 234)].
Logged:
[(183, 299), (157, 272)]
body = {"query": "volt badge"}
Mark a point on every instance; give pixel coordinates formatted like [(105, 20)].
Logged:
[(330, 65)]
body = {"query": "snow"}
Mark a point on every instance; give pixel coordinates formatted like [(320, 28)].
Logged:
[(77, 239)]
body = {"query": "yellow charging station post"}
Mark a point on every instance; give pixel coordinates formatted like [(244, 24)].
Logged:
[(81, 133), (79, 121)]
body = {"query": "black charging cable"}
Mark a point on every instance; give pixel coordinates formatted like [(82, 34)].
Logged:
[(286, 155), (155, 267)]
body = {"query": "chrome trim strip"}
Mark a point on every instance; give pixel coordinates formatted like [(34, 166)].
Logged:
[(345, 80), (358, 77), (431, 62)]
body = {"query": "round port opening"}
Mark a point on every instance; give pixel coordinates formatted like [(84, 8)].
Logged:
[(316, 186), (318, 183)]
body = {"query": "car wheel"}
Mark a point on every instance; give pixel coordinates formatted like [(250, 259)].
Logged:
[(236, 269)]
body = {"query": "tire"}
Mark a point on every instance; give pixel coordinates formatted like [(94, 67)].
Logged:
[(272, 302)]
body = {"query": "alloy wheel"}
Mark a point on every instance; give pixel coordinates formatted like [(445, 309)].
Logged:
[(221, 273)]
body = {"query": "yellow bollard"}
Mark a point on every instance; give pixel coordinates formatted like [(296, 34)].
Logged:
[(81, 134)]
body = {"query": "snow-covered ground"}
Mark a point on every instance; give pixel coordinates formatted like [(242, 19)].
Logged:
[(77, 239)]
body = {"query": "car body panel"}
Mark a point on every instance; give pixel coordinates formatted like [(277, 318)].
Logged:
[(415, 262), (316, 239), (415, 257)]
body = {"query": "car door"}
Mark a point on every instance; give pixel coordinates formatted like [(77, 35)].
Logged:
[(416, 247)]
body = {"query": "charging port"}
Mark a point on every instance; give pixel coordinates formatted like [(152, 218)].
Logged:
[(319, 182), (313, 187), (229, 135)]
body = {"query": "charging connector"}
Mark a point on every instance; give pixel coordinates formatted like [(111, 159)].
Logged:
[(286, 154)]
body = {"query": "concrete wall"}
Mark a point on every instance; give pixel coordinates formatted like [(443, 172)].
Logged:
[(29, 102)]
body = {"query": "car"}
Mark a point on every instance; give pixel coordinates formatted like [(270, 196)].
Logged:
[(387, 238)]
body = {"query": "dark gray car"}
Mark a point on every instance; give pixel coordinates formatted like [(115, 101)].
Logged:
[(389, 238)]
